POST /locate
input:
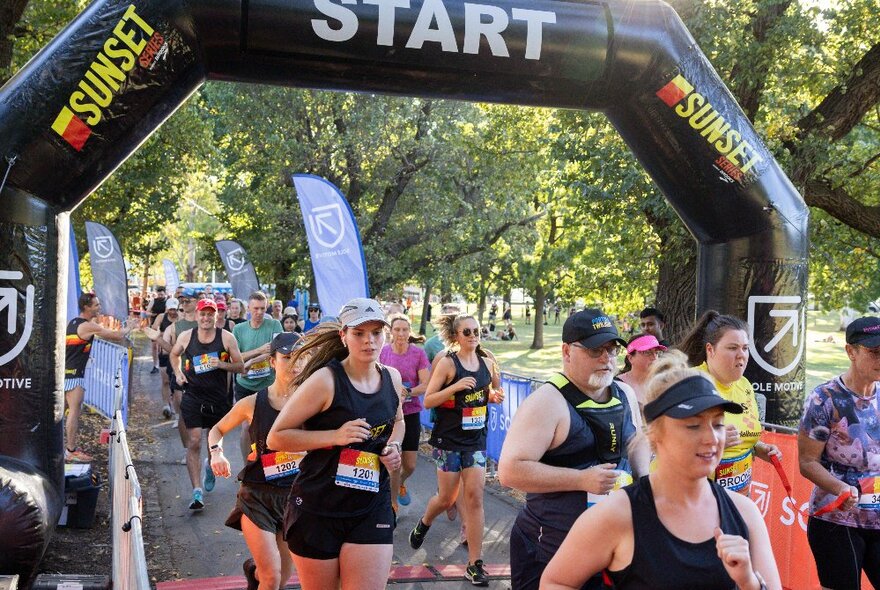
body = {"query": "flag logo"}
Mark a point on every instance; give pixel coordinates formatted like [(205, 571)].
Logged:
[(9, 302), (673, 92), (236, 259), (328, 227), (71, 128), (102, 246)]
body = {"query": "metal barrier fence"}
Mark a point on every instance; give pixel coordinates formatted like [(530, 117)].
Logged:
[(107, 377), (126, 509)]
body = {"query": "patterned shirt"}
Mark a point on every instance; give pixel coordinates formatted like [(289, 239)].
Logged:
[(849, 425)]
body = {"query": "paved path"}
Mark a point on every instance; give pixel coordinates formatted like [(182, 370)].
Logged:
[(200, 546)]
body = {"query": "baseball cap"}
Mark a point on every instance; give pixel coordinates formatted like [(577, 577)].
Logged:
[(688, 398), (206, 304), (315, 305), (172, 303), (644, 342), (361, 310), (285, 342), (591, 328), (864, 332), (290, 310), (220, 304)]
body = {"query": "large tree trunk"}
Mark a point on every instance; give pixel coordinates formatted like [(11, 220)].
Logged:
[(538, 338), (676, 284), (10, 14), (423, 326)]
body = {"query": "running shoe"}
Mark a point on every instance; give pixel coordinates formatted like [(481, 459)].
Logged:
[(452, 512), (403, 497), (77, 456), (167, 412), (417, 536), (210, 480), (198, 502), (476, 574), (154, 370), (250, 573)]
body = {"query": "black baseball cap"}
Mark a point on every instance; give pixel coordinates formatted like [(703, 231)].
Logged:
[(688, 398), (591, 328), (864, 332), (285, 342)]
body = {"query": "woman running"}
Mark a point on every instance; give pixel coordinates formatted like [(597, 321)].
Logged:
[(461, 386), (346, 413), (641, 352), (412, 362), (674, 528), (719, 345), (267, 475)]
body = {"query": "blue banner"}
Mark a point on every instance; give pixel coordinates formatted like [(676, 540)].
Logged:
[(239, 268), (109, 276), (74, 290), (334, 243), (106, 379), (172, 279)]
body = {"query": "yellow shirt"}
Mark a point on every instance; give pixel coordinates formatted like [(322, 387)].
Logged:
[(735, 470)]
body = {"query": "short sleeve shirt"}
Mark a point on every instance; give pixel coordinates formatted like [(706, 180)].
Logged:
[(433, 346), (259, 375), (409, 364), (849, 425)]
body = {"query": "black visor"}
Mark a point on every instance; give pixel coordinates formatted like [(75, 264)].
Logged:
[(688, 398)]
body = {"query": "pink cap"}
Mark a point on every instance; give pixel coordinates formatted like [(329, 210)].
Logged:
[(642, 343)]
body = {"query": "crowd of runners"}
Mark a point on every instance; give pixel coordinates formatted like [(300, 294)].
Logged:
[(329, 415)]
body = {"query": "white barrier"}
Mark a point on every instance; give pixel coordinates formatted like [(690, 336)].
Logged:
[(106, 378), (129, 559)]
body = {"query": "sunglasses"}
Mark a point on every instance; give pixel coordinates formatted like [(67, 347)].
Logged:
[(467, 332), (653, 353), (595, 353)]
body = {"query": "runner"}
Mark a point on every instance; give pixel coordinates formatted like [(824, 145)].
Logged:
[(156, 307), (253, 339), (208, 354), (223, 321), (641, 352), (235, 312), (719, 345), (160, 324), (347, 415), (290, 321), (412, 362), (277, 309), (461, 386), (81, 331), (673, 529), (266, 477), (314, 316)]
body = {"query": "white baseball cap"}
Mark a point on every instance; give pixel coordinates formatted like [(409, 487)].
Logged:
[(360, 311)]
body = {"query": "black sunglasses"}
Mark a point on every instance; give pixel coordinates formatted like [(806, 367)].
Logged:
[(466, 332)]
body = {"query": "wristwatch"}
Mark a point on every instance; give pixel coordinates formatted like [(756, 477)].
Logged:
[(408, 391)]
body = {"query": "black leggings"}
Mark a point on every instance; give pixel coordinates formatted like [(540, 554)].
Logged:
[(843, 552)]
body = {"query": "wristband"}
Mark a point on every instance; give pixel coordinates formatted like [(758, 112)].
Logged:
[(408, 391), (393, 443), (213, 448)]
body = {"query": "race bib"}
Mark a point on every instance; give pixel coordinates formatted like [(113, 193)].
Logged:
[(869, 499), (279, 464), (259, 370), (473, 418), (358, 470), (735, 473), (200, 363), (623, 479)]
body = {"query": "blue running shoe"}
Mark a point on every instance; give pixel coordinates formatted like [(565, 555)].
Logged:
[(403, 497), (198, 502), (210, 480)]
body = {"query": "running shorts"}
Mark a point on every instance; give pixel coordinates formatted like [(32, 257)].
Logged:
[(321, 537), (455, 461)]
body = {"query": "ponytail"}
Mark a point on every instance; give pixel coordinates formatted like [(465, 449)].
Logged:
[(708, 329), (320, 345)]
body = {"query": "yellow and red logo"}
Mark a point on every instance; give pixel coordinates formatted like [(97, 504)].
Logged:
[(132, 40), (736, 155)]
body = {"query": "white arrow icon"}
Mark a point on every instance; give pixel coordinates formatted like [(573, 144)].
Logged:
[(9, 299), (320, 225), (790, 326), (318, 220), (795, 324)]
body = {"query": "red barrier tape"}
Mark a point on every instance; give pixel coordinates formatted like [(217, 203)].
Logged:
[(831, 507)]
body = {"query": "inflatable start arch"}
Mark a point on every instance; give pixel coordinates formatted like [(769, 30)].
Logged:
[(86, 101)]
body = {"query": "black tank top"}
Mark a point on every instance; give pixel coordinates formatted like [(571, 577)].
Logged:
[(206, 383), (323, 484), (76, 350), (461, 420), (163, 325), (662, 561), (158, 306), (279, 468)]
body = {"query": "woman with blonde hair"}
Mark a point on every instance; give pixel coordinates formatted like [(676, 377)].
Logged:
[(674, 528), (461, 387), (346, 413)]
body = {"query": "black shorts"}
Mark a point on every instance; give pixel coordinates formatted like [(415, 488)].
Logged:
[(413, 432), (321, 537), (263, 504), (172, 379), (197, 414), (164, 361), (240, 392), (842, 553), (528, 561)]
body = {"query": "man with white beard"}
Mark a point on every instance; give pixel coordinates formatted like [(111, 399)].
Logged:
[(568, 445)]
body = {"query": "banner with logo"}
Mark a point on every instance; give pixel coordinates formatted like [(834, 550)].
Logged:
[(334, 243), (172, 279), (108, 271), (239, 268), (74, 290)]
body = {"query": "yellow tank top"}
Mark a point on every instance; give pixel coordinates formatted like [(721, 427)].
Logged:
[(734, 472)]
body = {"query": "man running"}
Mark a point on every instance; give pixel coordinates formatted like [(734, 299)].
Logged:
[(253, 338), (155, 308), (314, 317), (208, 354), (161, 323), (568, 445), (81, 331)]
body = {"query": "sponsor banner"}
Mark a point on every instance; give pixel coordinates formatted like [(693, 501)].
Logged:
[(172, 279), (108, 271), (239, 269), (106, 378), (334, 243)]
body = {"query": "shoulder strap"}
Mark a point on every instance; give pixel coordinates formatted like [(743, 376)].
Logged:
[(578, 400)]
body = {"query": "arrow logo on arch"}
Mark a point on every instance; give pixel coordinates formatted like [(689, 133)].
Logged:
[(795, 324)]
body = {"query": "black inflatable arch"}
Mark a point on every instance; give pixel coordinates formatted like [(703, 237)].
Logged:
[(86, 102)]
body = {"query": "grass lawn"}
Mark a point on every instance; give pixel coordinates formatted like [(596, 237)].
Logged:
[(824, 359)]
